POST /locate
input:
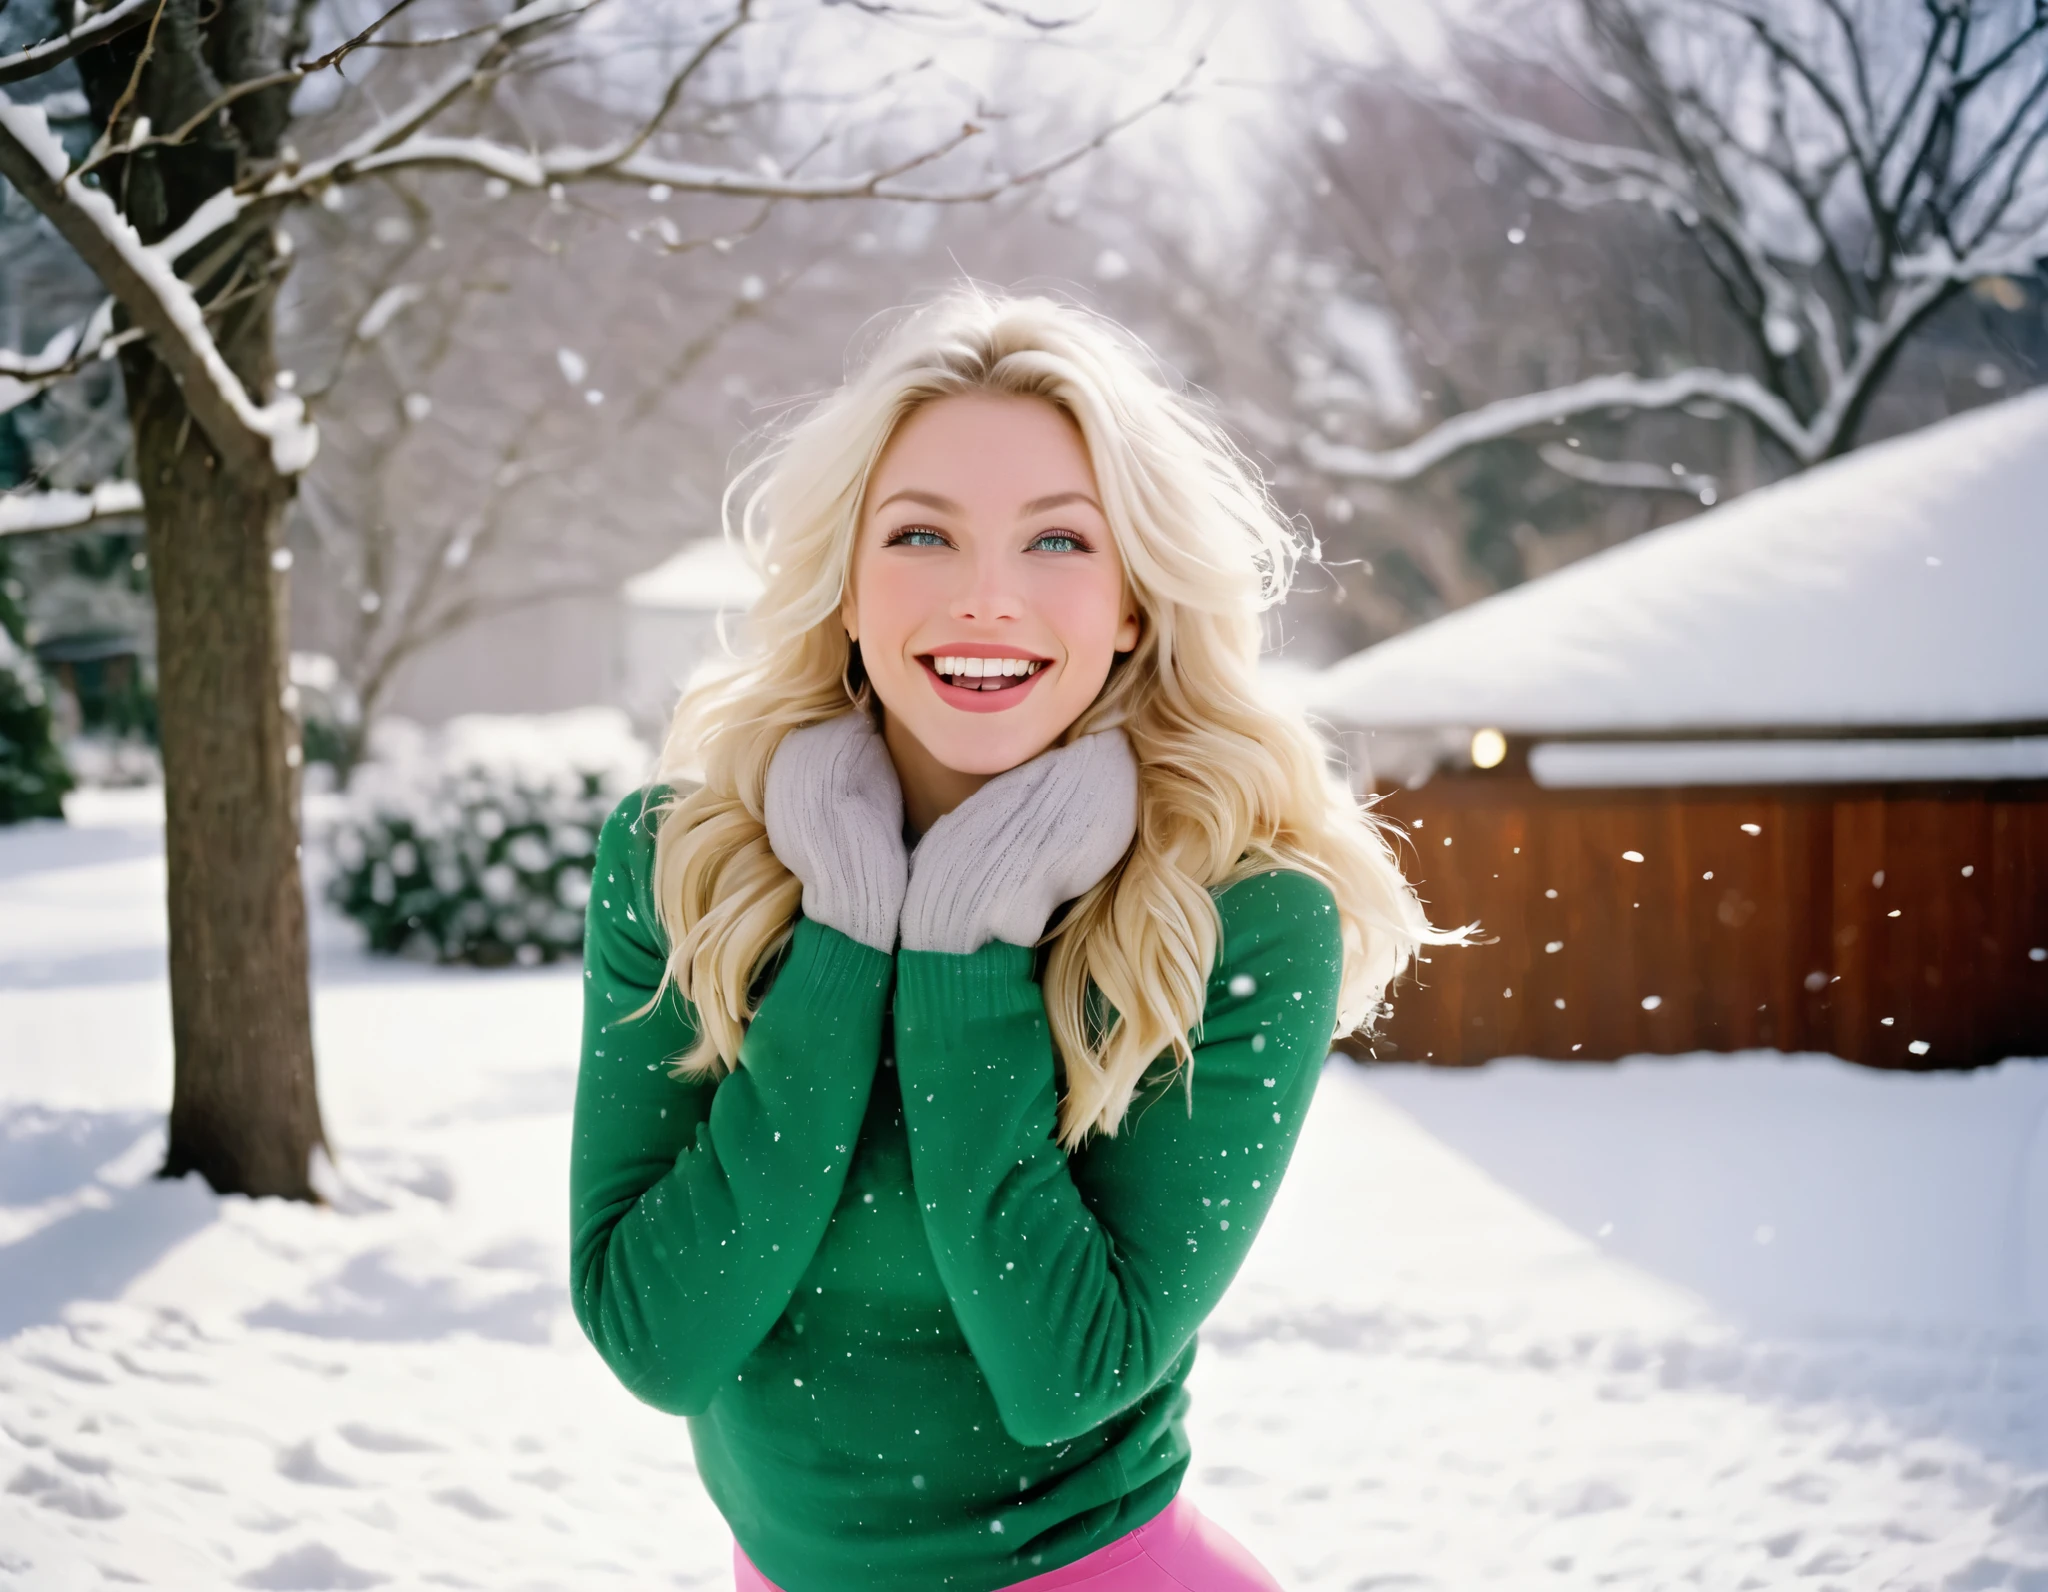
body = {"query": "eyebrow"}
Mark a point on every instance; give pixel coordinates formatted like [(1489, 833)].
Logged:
[(946, 505), (930, 500), (1060, 500)]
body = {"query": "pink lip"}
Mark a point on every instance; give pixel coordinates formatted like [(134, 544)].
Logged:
[(981, 649), (980, 701)]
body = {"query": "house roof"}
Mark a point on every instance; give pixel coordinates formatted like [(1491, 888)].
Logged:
[(1903, 585), (707, 576)]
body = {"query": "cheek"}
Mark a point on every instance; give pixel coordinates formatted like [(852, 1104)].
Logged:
[(1083, 604), (893, 605)]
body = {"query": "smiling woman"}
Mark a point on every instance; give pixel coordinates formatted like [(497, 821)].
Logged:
[(983, 843), (987, 609)]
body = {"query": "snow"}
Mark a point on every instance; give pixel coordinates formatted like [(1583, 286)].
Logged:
[(409, 765), (1506, 416), (218, 211), (56, 511), (1566, 765), (1505, 1328), (1897, 586), (21, 378), (710, 575)]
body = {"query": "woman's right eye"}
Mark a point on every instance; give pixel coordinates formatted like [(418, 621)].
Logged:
[(915, 536)]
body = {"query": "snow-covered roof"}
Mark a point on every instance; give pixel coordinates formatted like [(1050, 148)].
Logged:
[(1906, 584), (708, 575)]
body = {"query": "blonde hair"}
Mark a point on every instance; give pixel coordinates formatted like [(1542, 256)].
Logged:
[(1230, 783)]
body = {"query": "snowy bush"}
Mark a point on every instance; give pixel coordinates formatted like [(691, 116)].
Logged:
[(330, 716), (475, 842)]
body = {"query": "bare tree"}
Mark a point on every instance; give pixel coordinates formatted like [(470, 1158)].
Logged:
[(176, 210), (495, 439), (1401, 269), (1843, 168)]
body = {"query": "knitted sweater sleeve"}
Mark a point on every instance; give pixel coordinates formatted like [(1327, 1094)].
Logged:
[(696, 1206), (1080, 1280)]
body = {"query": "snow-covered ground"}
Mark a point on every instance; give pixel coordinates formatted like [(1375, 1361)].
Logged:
[(1741, 1322)]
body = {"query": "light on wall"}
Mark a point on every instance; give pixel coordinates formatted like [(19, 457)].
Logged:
[(1489, 748)]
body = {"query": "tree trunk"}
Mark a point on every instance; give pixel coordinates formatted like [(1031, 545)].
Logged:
[(244, 1110)]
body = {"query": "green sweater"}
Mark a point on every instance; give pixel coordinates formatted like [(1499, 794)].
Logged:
[(920, 1345)]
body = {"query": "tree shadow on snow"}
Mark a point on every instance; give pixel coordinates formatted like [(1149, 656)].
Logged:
[(45, 1154), (112, 1220), (44, 846)]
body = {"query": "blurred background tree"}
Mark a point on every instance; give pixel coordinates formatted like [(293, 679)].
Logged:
[(1669, 249), (183, 209)]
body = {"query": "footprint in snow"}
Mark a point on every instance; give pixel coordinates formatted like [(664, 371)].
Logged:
[(304, 1464), (466, 1502), (375, 1440), (63, 1494), (314, 1567)]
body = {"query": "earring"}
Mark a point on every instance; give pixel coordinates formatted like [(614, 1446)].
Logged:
[(857, 695)]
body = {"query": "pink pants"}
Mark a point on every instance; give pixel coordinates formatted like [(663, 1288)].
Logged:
[(1178, 1550)]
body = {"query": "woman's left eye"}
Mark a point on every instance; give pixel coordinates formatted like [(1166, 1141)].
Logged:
[(1064, 542)]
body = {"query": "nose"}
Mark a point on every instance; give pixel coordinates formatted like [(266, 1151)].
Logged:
[(991, 591)]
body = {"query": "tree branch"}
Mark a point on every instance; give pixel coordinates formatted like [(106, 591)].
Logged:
[(1633, 474), (1507, 416), (22, 376), (109, 24), (1634, 176), (531, 169), (234, 92), (67, 511), (155, 297)]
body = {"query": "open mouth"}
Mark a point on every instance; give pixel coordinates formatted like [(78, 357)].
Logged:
[(983, 674), (982, 685)]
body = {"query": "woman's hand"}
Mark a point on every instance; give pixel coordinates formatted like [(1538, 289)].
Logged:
[(835, 817), (1041, 833)]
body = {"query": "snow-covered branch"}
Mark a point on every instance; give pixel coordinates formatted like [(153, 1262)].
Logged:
[(1836, 207), (40, 58), (67, 511), (22, 376), (1632, 474), (404, 140), (1508, 416), (158, 300)]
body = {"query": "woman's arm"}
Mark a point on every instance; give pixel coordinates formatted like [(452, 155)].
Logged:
[(1079, 1281), (695, 1207)]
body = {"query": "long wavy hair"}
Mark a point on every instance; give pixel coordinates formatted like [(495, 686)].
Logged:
[(1230, 782)]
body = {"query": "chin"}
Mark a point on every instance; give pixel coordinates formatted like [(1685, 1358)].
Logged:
[(985, 748)]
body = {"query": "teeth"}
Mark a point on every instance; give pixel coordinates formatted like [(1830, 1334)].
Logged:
[(964, 669)]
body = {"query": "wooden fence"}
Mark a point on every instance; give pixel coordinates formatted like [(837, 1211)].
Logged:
[(1896, 926)]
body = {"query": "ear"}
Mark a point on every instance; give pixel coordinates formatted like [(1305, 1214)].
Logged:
[(1132, 627), (849, 613)]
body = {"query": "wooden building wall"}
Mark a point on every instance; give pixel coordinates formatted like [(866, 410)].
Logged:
[(1887, 925)]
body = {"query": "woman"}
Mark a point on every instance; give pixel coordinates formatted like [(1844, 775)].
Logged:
[(954, 999)]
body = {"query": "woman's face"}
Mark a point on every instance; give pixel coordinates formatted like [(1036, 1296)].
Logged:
[(986, 592)]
